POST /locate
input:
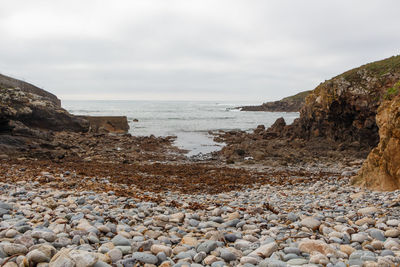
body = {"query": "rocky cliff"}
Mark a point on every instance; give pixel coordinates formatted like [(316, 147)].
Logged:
[(8, 82), (287, 104), (381, 170), (20, 107), (337, 121), (29, 115), (343, 109)]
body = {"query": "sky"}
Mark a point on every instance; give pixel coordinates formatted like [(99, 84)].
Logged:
[(233, 50)]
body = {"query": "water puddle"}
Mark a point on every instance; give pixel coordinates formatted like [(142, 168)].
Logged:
[(197, 143)]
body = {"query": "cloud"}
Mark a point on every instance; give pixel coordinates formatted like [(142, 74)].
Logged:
[(234, 50)]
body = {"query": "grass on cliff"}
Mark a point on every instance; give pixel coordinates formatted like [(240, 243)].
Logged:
[(377, 69), (393, 91), (297, 97)]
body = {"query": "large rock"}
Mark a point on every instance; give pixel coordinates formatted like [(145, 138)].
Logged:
[(381, 170), (107, 124)]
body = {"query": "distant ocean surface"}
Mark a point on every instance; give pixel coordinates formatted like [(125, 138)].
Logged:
[(190, 121)]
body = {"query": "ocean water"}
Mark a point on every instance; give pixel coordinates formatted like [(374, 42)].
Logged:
[(190, 121)]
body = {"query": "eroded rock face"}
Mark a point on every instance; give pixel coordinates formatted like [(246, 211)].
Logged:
[(36, 111), (8, 82), (337, 121), (343, 109), (28, 120), (381, 170)]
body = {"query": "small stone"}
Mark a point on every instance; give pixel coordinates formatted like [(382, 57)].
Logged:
[(298, 261), (265, 250), (248, 260), (115, 254), (47, 235), (347, 249), (119, 240), (144, 257), (393, 222), (11, 233), (387, 252), (210, 259), (365, 220), (177, 217), (37, 256), (377, 245), (377, 234), (189, 240), (155, 249), (311, 223), (103, 229), (392, 233), (367, 211), (230, 237), (207, 246), (83, 258), (309, 246), (13, 249), (10, 264), (359, 237), (199, 257), (227, 255)]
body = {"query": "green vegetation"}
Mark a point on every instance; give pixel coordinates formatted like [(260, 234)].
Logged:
[(297, 97), (392, 91), (377, 69)]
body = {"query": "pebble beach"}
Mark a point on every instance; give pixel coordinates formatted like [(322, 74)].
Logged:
[(323, 223)]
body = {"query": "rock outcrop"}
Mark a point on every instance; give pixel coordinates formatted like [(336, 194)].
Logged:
[(343, 109), (287, 104), (337, 121), (8, 82), (35, 111), (108, 124), (29, 115), (381, 170)]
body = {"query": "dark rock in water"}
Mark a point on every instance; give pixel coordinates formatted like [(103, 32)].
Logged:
[(287, 104)]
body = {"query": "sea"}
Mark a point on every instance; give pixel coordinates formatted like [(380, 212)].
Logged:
[(189, 121)]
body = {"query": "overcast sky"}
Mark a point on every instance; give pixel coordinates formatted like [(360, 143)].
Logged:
[(186, 50)]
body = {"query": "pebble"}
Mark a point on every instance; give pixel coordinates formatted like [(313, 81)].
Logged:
[(102, 229)]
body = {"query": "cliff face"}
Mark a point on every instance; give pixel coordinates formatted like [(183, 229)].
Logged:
[(30, 115), (343, 109), (20, 108), (8, 82), (381, 170), (337, 121), (287, 104)]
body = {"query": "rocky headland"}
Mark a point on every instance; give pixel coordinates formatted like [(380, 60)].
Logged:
[(288, 104), (336, 124), (88, 194)]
